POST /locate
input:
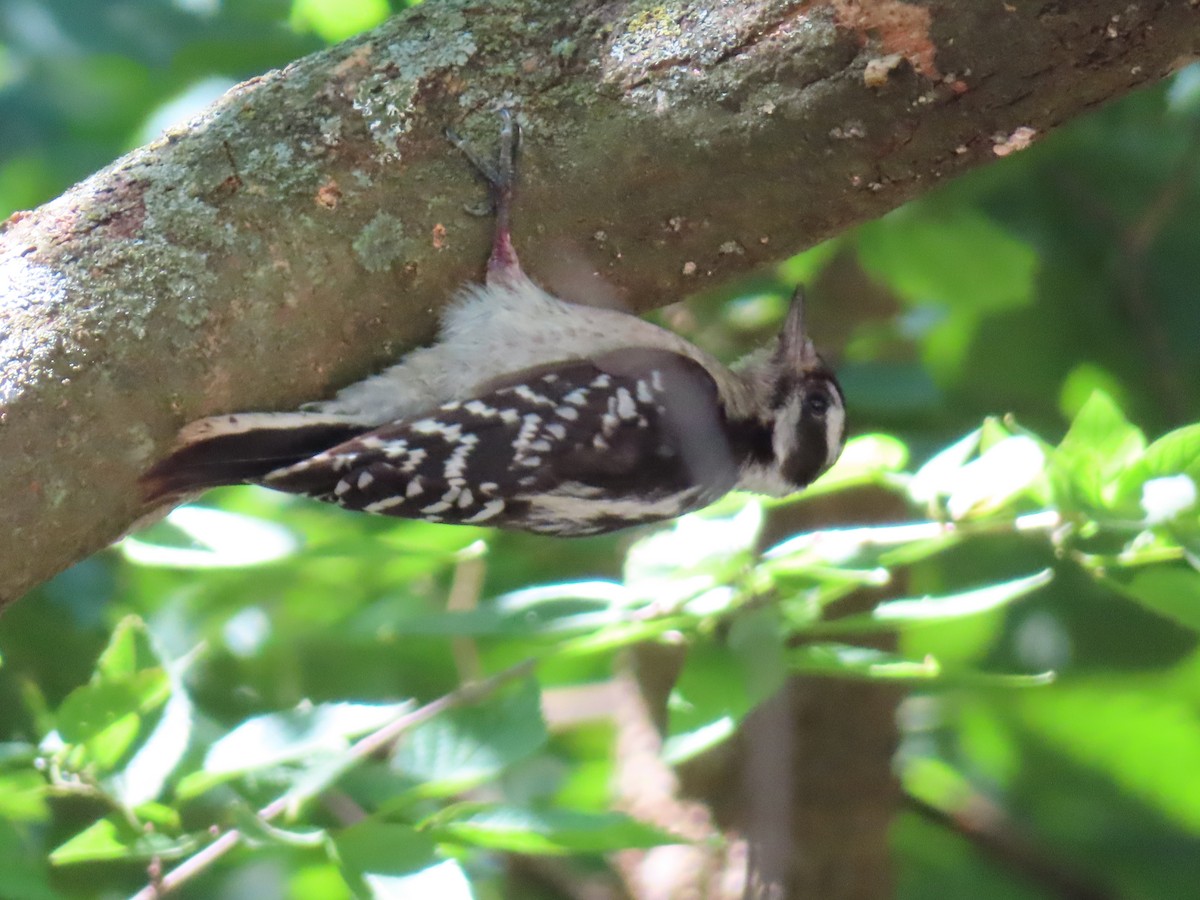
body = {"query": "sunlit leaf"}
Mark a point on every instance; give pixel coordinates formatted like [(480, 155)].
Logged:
[(1001, 473), (936, 478), (336, 20), (128, 683), (899, 615), (1098, 447), (162, 750), (202, 538), (697, 544), (1173, 455), (445, 880), (23, 796)]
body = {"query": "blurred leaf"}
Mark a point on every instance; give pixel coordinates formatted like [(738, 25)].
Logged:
[(302, 737), (704, 545), (720, 683), (107, 715), (1083, 381), (382, 850), (936, 478), (870, 546), (23, 795), (469, 746), (553, 609), (955, 258), (108, 839), (902, 615), (336, 20), (803, 268), (1169, 591), (161, 751), (1100, 444), (846, 661), (445, 880), (195, 537), (1003, 472), (517, 830), (1176, 453), (1095, 723), (23, 870)]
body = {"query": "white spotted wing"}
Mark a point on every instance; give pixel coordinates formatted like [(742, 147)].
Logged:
[(580, 447)]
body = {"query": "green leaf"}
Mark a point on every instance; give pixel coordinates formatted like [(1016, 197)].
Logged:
[(196, 537), (1002, 473), (902, 615), (1096, 450), (1173, 454), (445, 880), (107, 839), (1140, 738), (379, 849), (129, 651), (846, 661), (954, 258), (707, 547), (555, 609), (23, 870), (23, 794), (161, 751), (519, 830), (861, 548), (936, 478), (305, 736), (469, 746), (1171, 591), (336, 20), (720, 683), (107, 717)]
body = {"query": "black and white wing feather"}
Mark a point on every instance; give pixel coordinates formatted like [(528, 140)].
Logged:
[(582, 447), (579, 447)]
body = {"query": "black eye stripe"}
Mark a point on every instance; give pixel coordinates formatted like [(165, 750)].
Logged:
[(812, 384)]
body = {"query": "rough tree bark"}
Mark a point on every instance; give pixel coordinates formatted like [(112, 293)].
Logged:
[(304, 230)]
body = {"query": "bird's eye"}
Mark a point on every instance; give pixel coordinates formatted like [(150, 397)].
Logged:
[(817, 403)]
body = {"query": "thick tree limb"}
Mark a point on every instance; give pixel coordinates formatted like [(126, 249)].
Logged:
[(305, 229)]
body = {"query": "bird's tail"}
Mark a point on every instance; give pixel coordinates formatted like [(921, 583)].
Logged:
[(241, 449)]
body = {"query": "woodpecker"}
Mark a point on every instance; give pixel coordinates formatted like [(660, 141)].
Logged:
[(533, 413)]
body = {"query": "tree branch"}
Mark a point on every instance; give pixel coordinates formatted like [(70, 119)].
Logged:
[(304, 230)]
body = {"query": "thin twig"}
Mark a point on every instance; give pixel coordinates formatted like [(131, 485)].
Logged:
[(364, 748)]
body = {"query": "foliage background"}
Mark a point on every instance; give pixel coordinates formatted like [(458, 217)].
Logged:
[(1024, 289)]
